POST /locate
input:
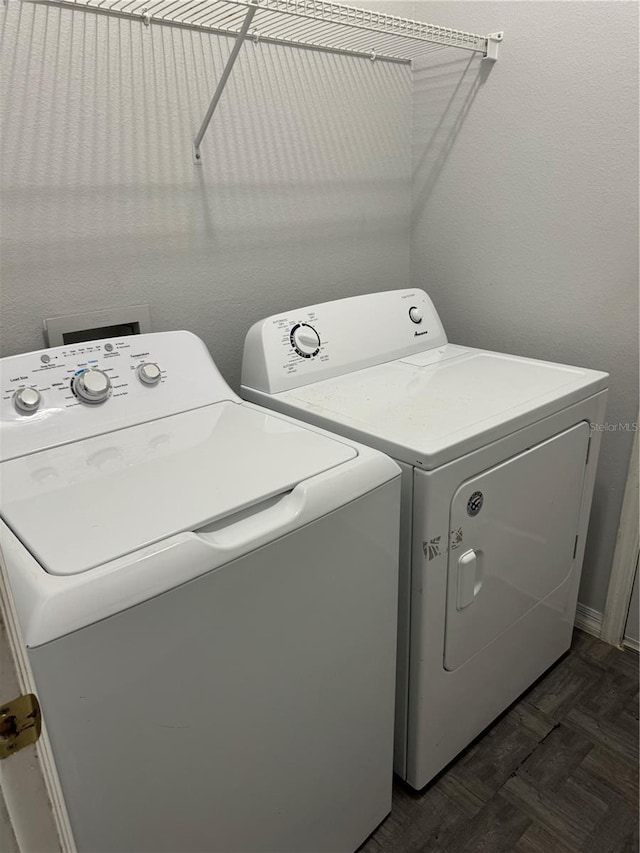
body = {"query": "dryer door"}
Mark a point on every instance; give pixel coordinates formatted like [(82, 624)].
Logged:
[(512, 540)]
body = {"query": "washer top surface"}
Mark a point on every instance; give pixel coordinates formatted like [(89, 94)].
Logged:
[(434, 406), (82, 504)]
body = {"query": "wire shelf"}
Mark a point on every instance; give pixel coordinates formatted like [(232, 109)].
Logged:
[(316, 24), (313, 24)]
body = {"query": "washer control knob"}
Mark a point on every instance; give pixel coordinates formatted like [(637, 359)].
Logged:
[(92, 386), (149, 373), (305, 340), (415, 314), (27, 400)]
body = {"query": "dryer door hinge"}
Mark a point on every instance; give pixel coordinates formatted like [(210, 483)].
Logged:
[(575, 547), (586, 461), (20, 724)]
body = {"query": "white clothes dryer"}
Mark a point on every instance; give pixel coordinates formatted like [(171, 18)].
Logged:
[(498, 460), (206, 594)]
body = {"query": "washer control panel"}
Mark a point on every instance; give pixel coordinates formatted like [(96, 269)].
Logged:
[(83, 374), (76, 391), (299, 347)]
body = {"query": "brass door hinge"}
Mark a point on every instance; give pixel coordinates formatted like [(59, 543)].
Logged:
[(20, 724)]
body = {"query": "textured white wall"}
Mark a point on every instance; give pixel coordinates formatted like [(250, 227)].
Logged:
[(304, 194), (525, 211)]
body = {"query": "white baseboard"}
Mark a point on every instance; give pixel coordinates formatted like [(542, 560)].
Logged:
[(589, 620)]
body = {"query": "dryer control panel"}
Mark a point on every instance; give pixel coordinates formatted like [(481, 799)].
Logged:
[(310, 344), (54, 396)]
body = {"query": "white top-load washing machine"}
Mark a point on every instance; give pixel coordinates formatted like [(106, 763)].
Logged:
[(207, 596), (498, 461)]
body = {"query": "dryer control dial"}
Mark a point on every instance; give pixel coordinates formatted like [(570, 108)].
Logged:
[(415, 314), (27, 400), (305, 340), (91, 386), (149, 373)]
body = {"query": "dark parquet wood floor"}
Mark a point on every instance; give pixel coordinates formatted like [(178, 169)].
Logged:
[(557, 773)]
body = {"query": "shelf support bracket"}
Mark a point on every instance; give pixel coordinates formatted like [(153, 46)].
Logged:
[(493, 40), (197, 158)]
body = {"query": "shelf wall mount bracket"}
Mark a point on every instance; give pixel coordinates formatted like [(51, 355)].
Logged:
[(197, 155), (493, 41)]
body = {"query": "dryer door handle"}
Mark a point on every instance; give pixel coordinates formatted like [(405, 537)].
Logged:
[(469, 582)]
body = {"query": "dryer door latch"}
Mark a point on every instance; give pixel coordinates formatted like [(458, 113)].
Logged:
[(20, 724)]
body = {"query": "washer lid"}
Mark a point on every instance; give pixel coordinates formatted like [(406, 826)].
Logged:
[(431, 408), (78, 506)]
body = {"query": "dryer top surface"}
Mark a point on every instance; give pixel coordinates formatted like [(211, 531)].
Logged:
[(432, 407)]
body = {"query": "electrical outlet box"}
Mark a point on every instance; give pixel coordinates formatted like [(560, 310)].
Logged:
[(94, 325)]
